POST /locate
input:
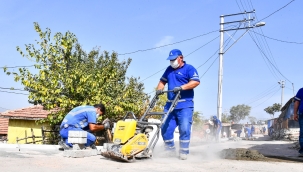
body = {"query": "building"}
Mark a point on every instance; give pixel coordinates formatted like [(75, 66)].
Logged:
[(21, 121)]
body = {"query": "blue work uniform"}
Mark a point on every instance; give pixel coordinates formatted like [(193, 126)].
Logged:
[(77, 120), (252, 130), (299, 97), (218, 127), (248, 132), (182, 115)]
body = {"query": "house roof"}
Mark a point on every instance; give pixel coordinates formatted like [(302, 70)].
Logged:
[(3, 125), (30, 113)]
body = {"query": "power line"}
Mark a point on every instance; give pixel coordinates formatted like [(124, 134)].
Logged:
[(12, 89), (184, 56), (16, 66), (276, 11), (265, 95), (12, 92), (267, 99), (4, 108), (290, 42), (261, 47), (271, 63), (148, 49)]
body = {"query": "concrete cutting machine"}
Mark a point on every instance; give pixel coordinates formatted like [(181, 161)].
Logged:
[(136, 139)]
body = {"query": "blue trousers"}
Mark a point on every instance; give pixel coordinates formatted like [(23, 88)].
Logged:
[(64, 134), (183, 118), (218, 133), (301, 133)]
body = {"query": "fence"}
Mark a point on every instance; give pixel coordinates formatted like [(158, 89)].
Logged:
[(48, 137)]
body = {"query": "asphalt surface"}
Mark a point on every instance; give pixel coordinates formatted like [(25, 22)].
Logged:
[(204, 156)]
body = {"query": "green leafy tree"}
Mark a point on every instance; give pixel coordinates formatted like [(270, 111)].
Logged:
[(198, 121), (252, 119), (225, 118), (273, 109), (239, 112), (66, 76)]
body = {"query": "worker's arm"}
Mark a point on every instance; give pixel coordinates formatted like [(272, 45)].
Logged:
[(296, 107), (95, 127), (161, 85), (190, 85)]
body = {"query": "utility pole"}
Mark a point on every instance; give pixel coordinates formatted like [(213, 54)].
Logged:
[(221, 53), (281, 82)]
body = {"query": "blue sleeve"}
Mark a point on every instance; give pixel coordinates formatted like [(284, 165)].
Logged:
[(91, 117), (164, 77), (299, 95), (193, 74)]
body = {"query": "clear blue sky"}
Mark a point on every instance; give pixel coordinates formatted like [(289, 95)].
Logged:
[(127, 26)]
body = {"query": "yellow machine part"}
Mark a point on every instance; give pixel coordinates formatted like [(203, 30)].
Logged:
[(124, 130), (135, 145)]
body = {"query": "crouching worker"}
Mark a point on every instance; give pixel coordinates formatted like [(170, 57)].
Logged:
[(82, 118)]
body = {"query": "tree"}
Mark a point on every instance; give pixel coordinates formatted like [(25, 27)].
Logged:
[(253, 120), (225, 118), (273, 109), (66, 76), (239, 112), (198, 121)]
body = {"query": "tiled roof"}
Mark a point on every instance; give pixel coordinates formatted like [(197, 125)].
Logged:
[(3, 125), (31, 113)]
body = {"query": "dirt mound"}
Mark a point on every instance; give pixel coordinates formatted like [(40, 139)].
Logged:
[(241, 154)]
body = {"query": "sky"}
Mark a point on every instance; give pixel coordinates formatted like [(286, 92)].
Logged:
[(252, 65)]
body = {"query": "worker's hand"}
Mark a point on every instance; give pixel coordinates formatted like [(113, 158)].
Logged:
[(159, 92), (296, 117), (177, 89)]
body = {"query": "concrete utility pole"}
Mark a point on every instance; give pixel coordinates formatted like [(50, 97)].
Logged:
[(221, 53), (281, 82)]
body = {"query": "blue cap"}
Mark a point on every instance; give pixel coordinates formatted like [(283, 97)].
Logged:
[(214, 117), (173, 54)]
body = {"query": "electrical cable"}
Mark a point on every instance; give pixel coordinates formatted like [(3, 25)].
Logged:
[(261, 47), (266, 99), (4, 108), (12, 92), (272, 64), (290, 42), (261, 94), (148, 49), (276, 11), (12, 89), (184, 56), (264, 40)]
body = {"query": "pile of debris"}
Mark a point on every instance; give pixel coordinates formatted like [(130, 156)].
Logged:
[(3, 139), (296, 146), (235, 139), (286, 134), (241, 154)]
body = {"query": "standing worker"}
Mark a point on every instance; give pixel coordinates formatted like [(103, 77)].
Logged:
[(247, 131), (217, 127), (82, 118), (252, 130), (298, 116), (184, 78)]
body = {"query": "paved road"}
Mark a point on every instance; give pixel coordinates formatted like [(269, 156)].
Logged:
[(203, 157)]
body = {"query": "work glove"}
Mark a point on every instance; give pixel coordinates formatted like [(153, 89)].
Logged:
[(177, 89), (159, 92), (106, 124)]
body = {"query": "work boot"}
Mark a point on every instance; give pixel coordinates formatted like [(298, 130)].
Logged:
[(64, 146), (93, 146), (183, 156)]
